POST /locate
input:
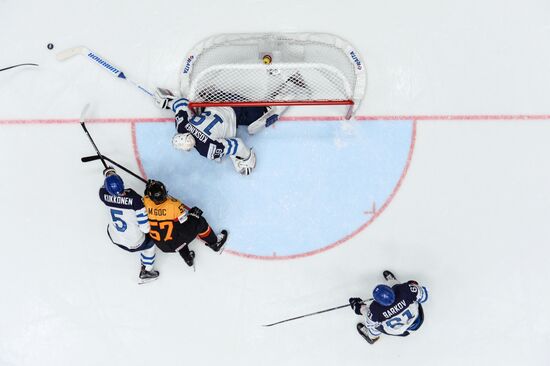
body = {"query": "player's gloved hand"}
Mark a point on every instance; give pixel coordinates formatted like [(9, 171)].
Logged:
[(356, 304), (244, 166), (195, 212), (164, 98)]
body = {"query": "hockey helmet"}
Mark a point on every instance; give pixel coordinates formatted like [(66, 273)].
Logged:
[(384, 295), (113, 182), (183, 141), (156, 191)]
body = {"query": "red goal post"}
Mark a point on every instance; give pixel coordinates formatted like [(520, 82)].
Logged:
[(269, 69)]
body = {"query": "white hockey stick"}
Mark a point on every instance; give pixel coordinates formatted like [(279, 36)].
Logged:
[(84, 51)]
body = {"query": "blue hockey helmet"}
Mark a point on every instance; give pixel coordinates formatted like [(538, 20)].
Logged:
[(384, 295), (113, 182)]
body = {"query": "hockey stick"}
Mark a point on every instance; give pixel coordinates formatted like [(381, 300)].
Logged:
[(81, 50), (11, 67), (315, 313), (83, 124), (86, 159)]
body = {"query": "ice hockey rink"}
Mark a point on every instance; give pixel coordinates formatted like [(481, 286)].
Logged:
[(442, 177)]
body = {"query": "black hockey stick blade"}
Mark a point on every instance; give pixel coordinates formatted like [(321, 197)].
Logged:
[(86, 159), (11, 67)]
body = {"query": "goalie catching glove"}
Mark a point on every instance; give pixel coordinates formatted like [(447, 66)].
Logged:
[(244, 166)]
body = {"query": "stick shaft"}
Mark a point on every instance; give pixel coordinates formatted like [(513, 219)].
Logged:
[(306, 315), (11, 67), (101, 61), (83, 125), (95, 157)]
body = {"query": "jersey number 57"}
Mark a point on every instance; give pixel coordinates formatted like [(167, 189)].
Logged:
[(166, 227)]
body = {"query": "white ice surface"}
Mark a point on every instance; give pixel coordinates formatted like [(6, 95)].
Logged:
[(470, 220)]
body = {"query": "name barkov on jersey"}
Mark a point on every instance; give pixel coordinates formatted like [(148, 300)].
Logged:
[(394, 309), (118, 199)]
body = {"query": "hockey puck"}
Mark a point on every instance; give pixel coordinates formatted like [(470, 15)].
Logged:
[(50, 46)]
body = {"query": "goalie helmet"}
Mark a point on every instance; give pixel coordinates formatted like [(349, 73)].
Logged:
[(183, 141), (113, 182), (384, 295), (156, 191)]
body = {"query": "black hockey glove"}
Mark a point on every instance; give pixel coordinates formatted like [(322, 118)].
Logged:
[(195, 212), (356, 304)]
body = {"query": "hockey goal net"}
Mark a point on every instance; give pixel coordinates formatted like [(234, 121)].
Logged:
[(274, 69)]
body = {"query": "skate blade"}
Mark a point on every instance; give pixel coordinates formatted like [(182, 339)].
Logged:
[(221, 250), (143, 281)]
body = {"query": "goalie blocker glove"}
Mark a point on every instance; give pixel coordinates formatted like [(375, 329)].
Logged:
[(164, 98)]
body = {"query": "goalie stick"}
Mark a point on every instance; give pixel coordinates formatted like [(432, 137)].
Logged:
[(115, 71), (310, 314), (11, 67), (86, 159)]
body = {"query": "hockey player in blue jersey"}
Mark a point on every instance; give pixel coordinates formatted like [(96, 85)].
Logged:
[(129, 225), (213, 132), (394, 310)]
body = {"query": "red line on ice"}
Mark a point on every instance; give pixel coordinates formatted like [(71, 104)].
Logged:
[(479, 117)]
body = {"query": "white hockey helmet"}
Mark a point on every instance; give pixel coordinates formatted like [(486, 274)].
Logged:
[(183, 141)]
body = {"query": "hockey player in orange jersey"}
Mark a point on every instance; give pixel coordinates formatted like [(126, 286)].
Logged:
[(174, 226)]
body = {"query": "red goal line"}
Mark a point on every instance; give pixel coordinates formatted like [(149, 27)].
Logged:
[(442, 118)]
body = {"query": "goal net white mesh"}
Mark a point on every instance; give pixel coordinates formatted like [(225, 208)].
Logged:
[(273, 69)]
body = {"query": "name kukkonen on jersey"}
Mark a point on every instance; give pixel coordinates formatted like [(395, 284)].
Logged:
[(118, 199)]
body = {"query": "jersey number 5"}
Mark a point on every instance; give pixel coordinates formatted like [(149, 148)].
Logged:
[(120, 224), (156, 235)]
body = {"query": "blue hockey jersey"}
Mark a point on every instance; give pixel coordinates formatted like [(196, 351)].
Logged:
[(128, 221), (397, 318)]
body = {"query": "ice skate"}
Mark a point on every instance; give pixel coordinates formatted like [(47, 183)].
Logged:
[(190, 259), (388, 276), (362, 329), (147, 276), (220, 244)]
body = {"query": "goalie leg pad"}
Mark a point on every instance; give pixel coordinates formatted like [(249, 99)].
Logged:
[(270, 117)]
